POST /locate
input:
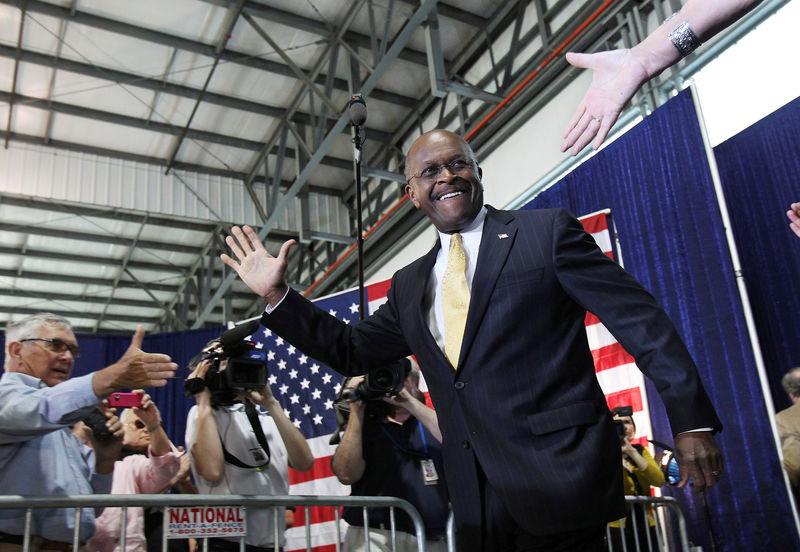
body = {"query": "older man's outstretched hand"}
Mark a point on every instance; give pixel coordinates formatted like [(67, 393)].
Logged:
[(135, 370)]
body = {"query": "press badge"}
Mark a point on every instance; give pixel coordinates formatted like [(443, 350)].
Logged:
[(429, 475), (258, 455)]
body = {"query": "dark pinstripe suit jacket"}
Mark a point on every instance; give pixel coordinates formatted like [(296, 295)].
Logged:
[(524, 402)]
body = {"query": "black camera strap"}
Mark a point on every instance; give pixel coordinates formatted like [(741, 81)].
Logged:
[(255, 423)]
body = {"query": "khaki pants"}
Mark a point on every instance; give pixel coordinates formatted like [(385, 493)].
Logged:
[(38, 544), (380, 540)]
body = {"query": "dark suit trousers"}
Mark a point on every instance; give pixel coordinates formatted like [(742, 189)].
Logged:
[(501, 533)]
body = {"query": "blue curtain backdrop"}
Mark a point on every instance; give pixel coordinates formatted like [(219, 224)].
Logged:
[(760, 173), (657, 182)]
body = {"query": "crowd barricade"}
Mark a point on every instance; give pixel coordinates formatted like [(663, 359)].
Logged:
[(669, 529), (172, 501), (668, 532)]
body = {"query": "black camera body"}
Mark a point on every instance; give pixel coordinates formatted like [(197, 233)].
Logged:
[(246, 365), (96, 421), (383, 381), (622, 412)]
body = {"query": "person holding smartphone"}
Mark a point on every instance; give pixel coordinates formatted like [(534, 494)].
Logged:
[(38, 453), (147, 463)]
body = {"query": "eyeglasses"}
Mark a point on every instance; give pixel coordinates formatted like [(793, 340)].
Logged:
[(56, 345), (456, 166)]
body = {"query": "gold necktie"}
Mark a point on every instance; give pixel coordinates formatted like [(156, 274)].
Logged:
[(455, 299)]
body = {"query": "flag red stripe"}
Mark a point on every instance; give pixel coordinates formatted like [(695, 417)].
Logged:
[(323, 548), (610, 356), (590, 319), (626, 397), (317, 514), (378, 290), (322, 468), (594, 224)]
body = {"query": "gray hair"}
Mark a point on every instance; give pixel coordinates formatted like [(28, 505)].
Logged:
[(791, 382), (30, 326)]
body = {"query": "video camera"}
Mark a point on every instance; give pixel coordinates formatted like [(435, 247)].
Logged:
[(383, 381), (246, 368)]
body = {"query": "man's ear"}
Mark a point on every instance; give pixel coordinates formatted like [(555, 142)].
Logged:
[(411, 195), (14, 348)]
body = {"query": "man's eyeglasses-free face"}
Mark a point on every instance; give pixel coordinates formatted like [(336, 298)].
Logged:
[(56, 345), (456, 166)]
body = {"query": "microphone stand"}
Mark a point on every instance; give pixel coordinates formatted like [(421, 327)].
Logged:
[(358, 119)]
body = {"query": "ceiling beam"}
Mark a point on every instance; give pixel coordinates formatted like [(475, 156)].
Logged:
[(102, 282), (158, 161), (174, 41), (87, 280), (112, 213), (152, 126), (166, 87), (83, 314), (79, 298), (29, 253), (98, 238)]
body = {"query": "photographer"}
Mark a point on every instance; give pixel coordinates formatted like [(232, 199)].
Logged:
[(639, 473), (147, 463), (237, 449), (391, 447)]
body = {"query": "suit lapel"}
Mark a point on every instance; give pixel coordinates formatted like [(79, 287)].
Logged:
[(498, 236)]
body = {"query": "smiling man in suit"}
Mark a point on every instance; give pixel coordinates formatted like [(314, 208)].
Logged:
[(494, 315)]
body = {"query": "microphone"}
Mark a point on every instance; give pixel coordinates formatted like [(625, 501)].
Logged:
[(358, 110), (238, 333)]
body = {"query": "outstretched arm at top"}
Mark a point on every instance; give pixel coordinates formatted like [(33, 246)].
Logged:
[(618, 74)]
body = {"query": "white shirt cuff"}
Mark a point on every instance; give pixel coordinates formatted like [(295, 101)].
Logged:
[(269, 308), (696, 430)]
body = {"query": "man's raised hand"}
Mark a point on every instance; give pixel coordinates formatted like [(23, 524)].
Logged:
[(135, 370), (259, 270)]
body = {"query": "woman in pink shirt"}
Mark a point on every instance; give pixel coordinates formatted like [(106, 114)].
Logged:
[(147, 465)]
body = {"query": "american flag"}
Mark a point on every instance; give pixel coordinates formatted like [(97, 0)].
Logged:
[(307, 389), (620, 379)]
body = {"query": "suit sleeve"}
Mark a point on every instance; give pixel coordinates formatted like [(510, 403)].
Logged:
[(636, 320), (348, 349)]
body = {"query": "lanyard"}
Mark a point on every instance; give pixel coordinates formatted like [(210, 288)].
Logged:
[(402, 449)]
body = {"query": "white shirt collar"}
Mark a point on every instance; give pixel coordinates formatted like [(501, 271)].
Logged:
[(473, 229)]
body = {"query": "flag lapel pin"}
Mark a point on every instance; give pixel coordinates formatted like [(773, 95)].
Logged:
[(502, 236)]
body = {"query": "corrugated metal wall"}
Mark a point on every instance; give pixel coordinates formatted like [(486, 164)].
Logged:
[(71, 176)]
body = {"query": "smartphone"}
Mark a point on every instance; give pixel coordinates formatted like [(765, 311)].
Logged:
[(125, 399)]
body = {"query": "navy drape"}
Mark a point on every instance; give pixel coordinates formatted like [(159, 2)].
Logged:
[(760, 172), (657, 182)]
